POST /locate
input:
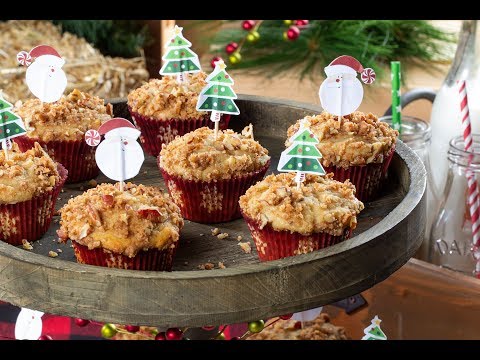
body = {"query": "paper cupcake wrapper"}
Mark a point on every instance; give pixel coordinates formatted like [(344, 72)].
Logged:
[(210, 201), (368, 179), (273, 245), (156, 132), (150, 260), (30, 219), (76, 156)]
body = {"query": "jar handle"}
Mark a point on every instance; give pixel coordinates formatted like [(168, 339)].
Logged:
[(413, 95)]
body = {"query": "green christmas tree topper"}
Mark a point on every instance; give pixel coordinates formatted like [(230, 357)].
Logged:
[(373, 331), (11, 124), (179, 59)]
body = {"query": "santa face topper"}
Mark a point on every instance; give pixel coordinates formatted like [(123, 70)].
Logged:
[(119, 156), (341, 93), (45, 77)]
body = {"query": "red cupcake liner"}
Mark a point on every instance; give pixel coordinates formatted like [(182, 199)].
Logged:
[(273, 245), (368, 179), (157, 132), (150, 260), (210, 201), (30, 219), (76, 156)]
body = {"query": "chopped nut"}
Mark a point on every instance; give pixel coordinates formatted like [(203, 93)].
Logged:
[(239, 238), (222, 236), (221, 265), (26, 245), (92, 183), (246, 247), (202, 235), (52, 254), (206, 266), (59, 251), (62, 191), (215, 231)]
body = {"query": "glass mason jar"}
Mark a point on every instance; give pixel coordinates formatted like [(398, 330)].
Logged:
[(417, 135), (451, 233)]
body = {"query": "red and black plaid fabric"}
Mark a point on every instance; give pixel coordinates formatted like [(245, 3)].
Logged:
[(58, 327)]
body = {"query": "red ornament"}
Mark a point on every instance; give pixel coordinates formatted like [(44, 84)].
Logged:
[(214, 60), (132, 328), (174, 334), (248, 24), (235, 338), (286, 317), (293, 32), (45, 337), (301, 22), (230, 48), (160, 336), (81, 322)]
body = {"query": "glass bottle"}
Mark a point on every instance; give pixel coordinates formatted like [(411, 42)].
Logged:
[(416, 134), (451, 233), (445, 120)]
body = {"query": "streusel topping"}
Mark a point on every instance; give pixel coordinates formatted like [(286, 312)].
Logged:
[(355, 139), (165, 98), (124, 222), (320, 205), (26, 174), (198, 156), (66, 119)]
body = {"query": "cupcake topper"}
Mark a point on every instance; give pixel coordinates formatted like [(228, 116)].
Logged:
[(302, 156), (217, 96), (119, 156), (341, 93), (373, 331), (11, 125), (45, 77), (179, 59)]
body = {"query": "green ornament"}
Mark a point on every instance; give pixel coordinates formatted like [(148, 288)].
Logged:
[(108, 331), (256, 326), (220, 337)]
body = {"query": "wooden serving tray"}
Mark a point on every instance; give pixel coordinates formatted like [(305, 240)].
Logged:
[(389, 232)]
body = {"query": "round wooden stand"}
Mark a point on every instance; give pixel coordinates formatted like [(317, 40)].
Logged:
[(389, 232)]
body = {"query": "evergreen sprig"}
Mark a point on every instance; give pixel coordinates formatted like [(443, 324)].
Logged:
[(373, 42)]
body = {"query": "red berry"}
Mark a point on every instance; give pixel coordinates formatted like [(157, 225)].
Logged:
[(208, 328), (293, 32), (301, 22), (248, 24), (231, 47), (286, 317), (132, 328), (45, 337), (81, 322), (160, 336), (235, 338), (174, 334), (214, 60)]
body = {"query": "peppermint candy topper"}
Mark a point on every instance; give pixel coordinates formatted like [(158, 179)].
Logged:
[(45, 77), (92, 137), (119, 156), (342, 93)]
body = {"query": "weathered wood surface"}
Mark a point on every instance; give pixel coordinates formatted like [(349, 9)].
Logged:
[(420, 301), (389, 232)]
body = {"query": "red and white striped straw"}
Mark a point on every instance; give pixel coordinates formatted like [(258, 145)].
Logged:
[(473, 192)]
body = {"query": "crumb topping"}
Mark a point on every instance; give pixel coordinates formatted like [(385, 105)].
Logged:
[(355, 139), (320, 205), (66, 119), (165, 98), (198, 156), (26, 174), (139, 218)]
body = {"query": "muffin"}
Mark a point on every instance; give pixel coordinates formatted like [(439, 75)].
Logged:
[(357, 147), (287, 221), (137, 228), (163, 109), (206, 177), (30, 182), (60, 128)]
